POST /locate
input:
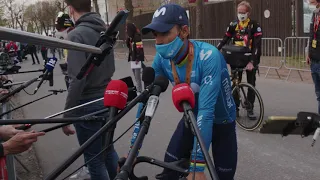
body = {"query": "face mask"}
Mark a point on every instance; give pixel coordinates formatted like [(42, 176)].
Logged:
[(243, 17), (169, 51), (63, 34)]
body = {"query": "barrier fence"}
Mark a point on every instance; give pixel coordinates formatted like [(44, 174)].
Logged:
[(276, 54)]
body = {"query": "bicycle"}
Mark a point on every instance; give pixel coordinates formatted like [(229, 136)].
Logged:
[(238, 86)]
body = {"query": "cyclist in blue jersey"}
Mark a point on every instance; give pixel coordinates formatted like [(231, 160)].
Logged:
[(204, 68)]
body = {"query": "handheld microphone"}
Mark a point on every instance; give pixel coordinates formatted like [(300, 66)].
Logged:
[(49, 69), (183, 97), (184, 100)]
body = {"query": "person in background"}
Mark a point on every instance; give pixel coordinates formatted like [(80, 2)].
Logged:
[(33, 51), (245, 32), (136, 53), (88, 26), (64, 25), (44, 54), (313, 57), (19, 51)]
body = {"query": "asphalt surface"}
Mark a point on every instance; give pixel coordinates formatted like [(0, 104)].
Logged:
[(260, 156)]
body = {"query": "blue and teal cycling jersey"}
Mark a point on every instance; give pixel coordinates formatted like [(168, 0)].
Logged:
[(210, 81)]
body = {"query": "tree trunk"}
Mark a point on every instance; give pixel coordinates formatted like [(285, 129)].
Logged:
[(96, 6), (128, 5), (199, 15)]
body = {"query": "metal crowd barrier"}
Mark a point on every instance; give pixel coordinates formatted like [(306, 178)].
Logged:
[(276, 54), (10, 158), (295, 55)]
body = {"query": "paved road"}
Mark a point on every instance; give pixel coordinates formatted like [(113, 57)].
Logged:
[(261, 157)]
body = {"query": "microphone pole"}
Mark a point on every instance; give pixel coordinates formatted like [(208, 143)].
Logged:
[(152, 105), (195, 130), (55, 173), (50, 121), (108, 137), (17, 90), (54, 92)]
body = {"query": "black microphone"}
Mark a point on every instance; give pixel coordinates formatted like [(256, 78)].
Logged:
[(106, 43), (148, 76), (119, 19), (49, 69)]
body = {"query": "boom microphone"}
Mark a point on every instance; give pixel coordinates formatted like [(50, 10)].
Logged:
[(49, 69), (118, 20), (148, 76), (115, 97), (183, 97), (160, 85), (184, 100), (106, 43)]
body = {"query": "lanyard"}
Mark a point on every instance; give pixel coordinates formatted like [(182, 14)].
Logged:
[(316, 25), (189, 67)]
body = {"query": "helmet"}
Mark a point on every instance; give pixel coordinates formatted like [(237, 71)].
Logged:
[(63, 21)]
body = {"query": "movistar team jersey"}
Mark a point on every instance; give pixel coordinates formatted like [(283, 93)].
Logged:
[(210, 81), (211, 84)]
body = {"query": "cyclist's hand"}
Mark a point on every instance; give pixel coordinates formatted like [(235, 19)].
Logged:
[(199, 176), (249, 66)]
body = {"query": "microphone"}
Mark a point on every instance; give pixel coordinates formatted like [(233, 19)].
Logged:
[(183, 97), (148, 76), (115, 98), (49, 69), (119, 19), (116, 95), (160, 85), (184, 100), (106, 44)]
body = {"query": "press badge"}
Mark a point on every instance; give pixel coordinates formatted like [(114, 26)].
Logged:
[(314, 43)]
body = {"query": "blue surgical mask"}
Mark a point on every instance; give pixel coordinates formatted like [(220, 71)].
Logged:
[(170, 50)]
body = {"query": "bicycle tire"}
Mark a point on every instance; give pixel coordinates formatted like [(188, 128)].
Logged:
[(257, 94)]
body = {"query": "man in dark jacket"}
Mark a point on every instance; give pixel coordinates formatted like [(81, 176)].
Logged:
[(245, 32), (88, 26), (314, 50)]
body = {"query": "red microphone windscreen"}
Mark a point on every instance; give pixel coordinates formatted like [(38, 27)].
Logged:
[(182, 92), (116, 94)]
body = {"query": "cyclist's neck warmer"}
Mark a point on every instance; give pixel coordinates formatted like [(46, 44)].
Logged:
[(182, 56), (244, 24)]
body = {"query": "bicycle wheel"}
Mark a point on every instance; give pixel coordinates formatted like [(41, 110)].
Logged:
[(243, 104)]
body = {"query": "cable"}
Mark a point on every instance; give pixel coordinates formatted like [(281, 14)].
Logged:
[(31, 94), (102, 150)]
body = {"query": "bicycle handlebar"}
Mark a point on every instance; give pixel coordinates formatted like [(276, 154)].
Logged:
[(179, 166)]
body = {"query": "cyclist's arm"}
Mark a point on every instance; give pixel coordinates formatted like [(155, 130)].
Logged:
[(227, 36), (256, 43), (209, 91), (156, 65)]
